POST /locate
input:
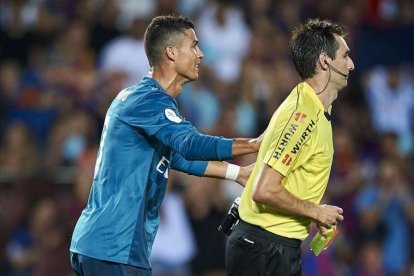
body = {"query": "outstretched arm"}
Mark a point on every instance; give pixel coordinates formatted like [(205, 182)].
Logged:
[(244, 146), (269, 190), (224, 170), (216, 169), (184, 139)]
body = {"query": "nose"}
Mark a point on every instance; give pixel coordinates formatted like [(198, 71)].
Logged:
[(351, 65), (200, 53)]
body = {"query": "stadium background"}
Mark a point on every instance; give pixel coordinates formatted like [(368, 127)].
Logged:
[(62, 62)]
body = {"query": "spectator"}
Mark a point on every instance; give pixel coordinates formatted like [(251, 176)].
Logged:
[(19, 155), (389, 92), (220, 21), (126, 54), (386, 213)]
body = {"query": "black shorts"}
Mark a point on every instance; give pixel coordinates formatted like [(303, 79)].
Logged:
[(252, 251)]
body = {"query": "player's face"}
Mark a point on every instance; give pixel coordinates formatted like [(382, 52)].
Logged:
[(189, 56), (342, 62)]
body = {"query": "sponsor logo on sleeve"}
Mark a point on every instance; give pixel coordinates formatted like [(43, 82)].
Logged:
[(300, 117), (300, 141), (305, 134), (285, 140), (287, 160), (172, 116)]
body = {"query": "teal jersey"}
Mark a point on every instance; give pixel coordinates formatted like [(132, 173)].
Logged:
[(143, 136)]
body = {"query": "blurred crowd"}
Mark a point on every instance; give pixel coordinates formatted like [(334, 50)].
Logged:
[(62, 62)]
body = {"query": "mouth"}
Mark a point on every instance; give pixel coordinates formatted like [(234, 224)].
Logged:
[(197, 67)]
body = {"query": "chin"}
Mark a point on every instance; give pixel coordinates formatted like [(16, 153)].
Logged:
[(190, 79), (343, 84), (193, 78)]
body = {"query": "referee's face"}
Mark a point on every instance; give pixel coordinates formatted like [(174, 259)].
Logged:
[(343, 63)]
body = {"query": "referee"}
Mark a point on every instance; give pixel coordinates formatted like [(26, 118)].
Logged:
[(283, 194)]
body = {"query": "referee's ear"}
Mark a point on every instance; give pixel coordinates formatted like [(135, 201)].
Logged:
[(323, 61)]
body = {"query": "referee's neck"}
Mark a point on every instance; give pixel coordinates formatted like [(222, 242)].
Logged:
[(323, 91)]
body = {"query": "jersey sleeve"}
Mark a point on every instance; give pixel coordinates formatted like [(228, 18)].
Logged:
[(157, 116), (197, 168), (289, 148)]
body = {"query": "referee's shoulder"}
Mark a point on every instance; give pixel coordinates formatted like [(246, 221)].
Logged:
[(304, 108)]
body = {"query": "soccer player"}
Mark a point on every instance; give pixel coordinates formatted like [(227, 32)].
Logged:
[(143, 137), (282, 196)]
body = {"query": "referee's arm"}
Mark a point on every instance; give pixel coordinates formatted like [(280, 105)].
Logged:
[(268, 190)]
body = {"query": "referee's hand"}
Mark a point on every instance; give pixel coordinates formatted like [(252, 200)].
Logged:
[(323, 230), (328, 215)]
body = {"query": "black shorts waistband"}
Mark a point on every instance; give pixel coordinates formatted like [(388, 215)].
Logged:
[(260, 232)]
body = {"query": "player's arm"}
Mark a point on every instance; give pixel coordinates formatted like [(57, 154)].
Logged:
[(216, 169), (158, 116), (224, 170), (186, 140), (243, 146), (268, 190)]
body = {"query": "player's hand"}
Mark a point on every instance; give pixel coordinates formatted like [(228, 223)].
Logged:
[(244, 174), (257, 141), (328, 215)]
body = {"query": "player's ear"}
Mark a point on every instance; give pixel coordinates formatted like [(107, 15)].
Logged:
[(171, 52)]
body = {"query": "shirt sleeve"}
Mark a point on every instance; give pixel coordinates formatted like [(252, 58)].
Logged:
[(157, 116), (289, 148), (197, 168)]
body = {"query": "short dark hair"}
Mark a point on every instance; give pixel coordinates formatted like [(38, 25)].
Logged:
[(311, 39), (163, 31)]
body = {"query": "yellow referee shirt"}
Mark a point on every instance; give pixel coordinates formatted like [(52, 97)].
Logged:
[(298, 144)]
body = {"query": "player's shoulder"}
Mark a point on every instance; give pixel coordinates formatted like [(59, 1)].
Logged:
[(144, 100), (144, 94)]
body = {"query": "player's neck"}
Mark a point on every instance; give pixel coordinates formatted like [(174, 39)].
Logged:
[(168, 80)]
